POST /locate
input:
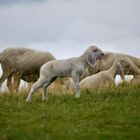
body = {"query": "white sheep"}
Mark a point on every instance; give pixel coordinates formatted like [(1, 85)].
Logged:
[(73, 67)]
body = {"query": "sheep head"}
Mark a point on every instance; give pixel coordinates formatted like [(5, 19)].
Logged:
[(93, 54)]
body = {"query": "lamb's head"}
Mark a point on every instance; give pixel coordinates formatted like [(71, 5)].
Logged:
[(92, 54)]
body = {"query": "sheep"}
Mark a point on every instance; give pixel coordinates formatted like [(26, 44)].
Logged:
[(108, 60), (72, 67), (22, 63), (106, 78)]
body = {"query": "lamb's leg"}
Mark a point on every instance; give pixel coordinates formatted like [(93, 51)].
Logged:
[(75, 78), (35, 87), (44, 95)]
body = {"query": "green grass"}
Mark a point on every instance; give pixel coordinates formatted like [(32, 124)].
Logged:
[(108, 114)]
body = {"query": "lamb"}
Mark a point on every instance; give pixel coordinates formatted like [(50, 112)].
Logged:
[(73, 67)]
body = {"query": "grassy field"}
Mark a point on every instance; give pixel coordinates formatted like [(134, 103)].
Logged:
[(109, 114)]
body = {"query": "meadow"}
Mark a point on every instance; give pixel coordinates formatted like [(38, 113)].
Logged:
[(104, 114)]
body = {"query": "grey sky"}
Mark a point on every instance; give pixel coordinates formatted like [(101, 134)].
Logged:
[(68, 27), (11, 2)]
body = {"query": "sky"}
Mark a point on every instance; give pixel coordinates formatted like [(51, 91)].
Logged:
[(67, 27)]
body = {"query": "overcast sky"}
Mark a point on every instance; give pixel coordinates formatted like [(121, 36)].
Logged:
[(67, 27)]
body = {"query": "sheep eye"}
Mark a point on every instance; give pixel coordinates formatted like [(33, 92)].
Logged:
[(95, 50)]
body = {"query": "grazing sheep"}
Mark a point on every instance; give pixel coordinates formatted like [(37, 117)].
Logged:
[(22, 63), (104, 78), (72, 67), (109, 59)]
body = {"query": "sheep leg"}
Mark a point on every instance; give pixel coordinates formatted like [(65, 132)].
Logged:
[(34, 88), (14, 85), (44, 95), (121, 72), (76, 85), (16, 82), (4, 76), (9, 83)]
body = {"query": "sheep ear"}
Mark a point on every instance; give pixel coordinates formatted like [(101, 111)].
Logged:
[(91, 59)]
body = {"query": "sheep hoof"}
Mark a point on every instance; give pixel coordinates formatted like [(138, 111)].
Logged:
[(28, 100), (77, 95), (44, 99)]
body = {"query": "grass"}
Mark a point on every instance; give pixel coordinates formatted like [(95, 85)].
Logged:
[(106, 114)]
